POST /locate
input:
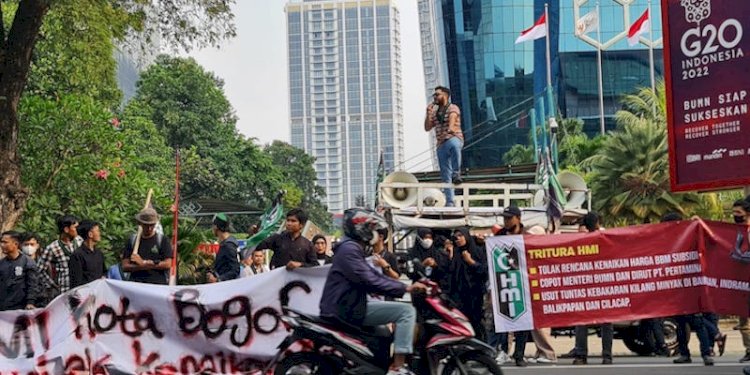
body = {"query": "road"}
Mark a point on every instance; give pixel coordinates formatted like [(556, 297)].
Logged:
[(625, 363), (631, 365)]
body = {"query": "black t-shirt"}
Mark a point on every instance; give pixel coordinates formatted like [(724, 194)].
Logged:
[(150, 250), (86, 266)]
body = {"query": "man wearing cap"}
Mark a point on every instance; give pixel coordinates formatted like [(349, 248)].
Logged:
[(227, 263), (512, 226), (154, 257)]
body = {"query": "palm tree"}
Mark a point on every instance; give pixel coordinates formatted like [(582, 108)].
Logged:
[(644, 105), (630, 178)]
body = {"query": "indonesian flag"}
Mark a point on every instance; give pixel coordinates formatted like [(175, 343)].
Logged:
[(539, 30), (641, 26)]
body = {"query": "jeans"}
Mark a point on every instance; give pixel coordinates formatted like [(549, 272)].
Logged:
[(498, 340), (711, 322), (520, 338), (696, 324), (402, 314), (449, 160), (654, 326), (582, 341)]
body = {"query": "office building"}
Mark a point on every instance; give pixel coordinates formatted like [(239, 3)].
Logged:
[(496, 82), (345, 95)]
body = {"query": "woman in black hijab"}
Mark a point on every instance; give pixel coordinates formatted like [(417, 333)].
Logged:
[(434, 262), (469, 278)]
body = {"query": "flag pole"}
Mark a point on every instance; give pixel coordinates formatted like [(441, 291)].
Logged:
[(600, 70), (549, 64), (651, 55)]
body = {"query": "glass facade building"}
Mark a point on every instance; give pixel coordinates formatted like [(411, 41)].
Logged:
[(345, 92), (496, 82)]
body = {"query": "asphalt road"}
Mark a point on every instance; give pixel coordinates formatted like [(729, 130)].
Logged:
[(630, 366)]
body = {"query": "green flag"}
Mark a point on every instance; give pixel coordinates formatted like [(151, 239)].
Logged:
[(269, 224)]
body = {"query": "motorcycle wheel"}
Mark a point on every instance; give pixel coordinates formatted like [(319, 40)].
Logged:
[(304, 364), (475, 363)]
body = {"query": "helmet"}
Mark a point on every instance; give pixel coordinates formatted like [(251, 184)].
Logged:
[(362, 224)]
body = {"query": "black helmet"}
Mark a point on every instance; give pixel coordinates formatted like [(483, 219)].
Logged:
[(361, 224)]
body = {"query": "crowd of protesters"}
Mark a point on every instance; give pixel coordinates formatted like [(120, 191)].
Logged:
[(31, 276)]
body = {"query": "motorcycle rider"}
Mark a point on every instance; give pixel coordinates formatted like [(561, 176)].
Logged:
[(351, 279)]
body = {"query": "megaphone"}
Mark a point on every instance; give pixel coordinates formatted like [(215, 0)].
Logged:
[(400, 197), (574, 187), (432, 198)]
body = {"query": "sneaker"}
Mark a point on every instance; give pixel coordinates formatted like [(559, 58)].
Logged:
[(682, 359), (580, 361), (545, 360), (457, 180), (721, 341), (607, 361), (663, 352), (403, 370), (521, 363), (708, 361), (502, 358), (530, 360), (746, 358)]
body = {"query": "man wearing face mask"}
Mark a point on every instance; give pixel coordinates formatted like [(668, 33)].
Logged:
[(433, 260), (469, 279), (31, 245), (741, 215)]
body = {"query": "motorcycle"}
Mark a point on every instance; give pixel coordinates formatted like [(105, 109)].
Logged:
[(446, 343)]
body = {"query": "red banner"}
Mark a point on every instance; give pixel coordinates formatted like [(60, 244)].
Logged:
[(620, 274), (707, 75)]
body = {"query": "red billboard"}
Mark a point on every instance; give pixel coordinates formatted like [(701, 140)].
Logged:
[(707, 73)]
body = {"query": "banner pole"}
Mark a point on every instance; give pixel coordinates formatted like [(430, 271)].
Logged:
[(175, 221)]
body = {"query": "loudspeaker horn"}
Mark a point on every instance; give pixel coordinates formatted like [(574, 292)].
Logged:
[(432, 198), (575, 189), (400, 197)]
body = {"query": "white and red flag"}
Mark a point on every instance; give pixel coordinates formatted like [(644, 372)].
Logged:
[(539, 30), (641, 26)]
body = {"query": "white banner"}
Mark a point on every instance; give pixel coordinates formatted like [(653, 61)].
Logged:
[(509, 284), (117, 327)]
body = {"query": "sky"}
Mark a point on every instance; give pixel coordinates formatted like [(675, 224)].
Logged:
[(254, 69)]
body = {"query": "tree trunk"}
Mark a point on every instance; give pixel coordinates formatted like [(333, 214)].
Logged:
[(15, 60)]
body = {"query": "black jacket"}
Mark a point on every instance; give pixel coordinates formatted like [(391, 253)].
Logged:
[(442, 268), (227, 262), (466, 279), (19, 283), (349, 282)]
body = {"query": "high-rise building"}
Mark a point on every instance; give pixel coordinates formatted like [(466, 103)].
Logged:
[(496, 82), (345, 95)]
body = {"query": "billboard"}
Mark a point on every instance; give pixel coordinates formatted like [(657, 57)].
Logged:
[(707, 73)]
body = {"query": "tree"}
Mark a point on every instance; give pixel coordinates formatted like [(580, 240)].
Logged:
[(189, 107), (296, 168), (630, 178), (180, 23), (79, 159), (519, 154)]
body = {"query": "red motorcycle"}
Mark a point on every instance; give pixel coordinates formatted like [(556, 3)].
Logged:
[(445, 345)]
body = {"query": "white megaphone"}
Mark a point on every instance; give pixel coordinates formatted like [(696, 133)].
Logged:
[(431, 198), (400, 197), (575, 189)]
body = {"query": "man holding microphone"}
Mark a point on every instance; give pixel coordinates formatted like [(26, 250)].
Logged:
[(445, 118)]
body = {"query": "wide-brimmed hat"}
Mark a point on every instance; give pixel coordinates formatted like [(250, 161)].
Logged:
[(147, 216)]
